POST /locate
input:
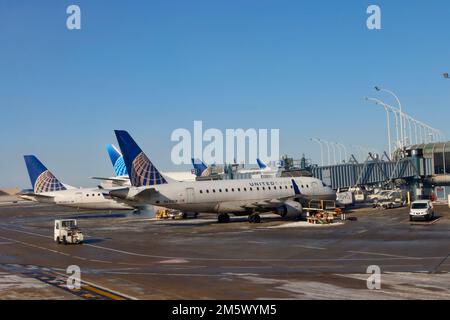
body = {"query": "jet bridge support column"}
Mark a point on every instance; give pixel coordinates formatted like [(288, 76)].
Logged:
[(416, 185)]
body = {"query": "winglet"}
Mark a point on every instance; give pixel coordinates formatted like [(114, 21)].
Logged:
[(140, 169), (42, 180)]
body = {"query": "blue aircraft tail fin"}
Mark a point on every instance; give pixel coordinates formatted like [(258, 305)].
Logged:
[(117, 160), (199, 167), (42, 180), (140, 169), (261, 164)]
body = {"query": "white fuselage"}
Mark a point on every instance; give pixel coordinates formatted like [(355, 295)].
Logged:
[(85, 198), (230, 196)]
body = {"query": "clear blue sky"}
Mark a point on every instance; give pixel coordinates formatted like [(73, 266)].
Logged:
[(153, 66)]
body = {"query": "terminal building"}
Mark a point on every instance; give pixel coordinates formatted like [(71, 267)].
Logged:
[(433, 163)]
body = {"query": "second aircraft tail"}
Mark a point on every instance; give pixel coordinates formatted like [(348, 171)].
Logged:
[(117, 160)]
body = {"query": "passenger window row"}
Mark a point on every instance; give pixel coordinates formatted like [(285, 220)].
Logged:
[(98, 194), (245, 189)]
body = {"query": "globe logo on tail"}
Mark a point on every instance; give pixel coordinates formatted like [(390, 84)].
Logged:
[(47, 182), (119, 167), (144, 173)]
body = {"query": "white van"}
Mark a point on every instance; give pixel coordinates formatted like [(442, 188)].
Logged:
[(422, 209)]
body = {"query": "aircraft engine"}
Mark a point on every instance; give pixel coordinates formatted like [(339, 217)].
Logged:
[(290, 209)]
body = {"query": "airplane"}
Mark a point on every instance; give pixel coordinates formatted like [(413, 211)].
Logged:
[(201, 170), (47, 188), (263, 171), (121, 177), (283, 196), (265, 168)]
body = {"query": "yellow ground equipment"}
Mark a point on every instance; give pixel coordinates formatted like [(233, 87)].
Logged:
[(322, 212), (162, 214)]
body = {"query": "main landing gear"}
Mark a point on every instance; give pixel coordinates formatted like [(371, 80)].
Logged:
[(254, 218), (223, 218)]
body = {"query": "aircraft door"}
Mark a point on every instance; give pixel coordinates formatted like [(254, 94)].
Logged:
[(190, 196), (315, 188), (78, 197)]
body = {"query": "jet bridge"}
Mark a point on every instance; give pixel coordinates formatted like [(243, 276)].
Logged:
[(373, 171)]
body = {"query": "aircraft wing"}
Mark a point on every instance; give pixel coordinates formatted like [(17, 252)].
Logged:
[(146, 193), (42, 196), (36, 196), (124, 194), (30, 192)]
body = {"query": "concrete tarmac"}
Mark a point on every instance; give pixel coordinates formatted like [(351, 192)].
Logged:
[(133, 256)]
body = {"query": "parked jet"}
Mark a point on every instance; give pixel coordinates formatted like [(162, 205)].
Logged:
[(283, 196), (202, 170), (263, 171), (264, 167), (47, 188)]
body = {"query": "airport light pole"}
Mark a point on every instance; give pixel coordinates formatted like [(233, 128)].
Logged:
[(345, 151), (429, 133), (333, 145), (421, 131), (415, 130), (397, 128), (424, 129), (433, 135), (340, 152), (388, 109), (409, 119), (329, 153), (402, 133), (437, 135), (321, 148), (441, 135)]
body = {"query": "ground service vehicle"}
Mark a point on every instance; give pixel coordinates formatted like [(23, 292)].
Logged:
[(66, 231), (422, 209)]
